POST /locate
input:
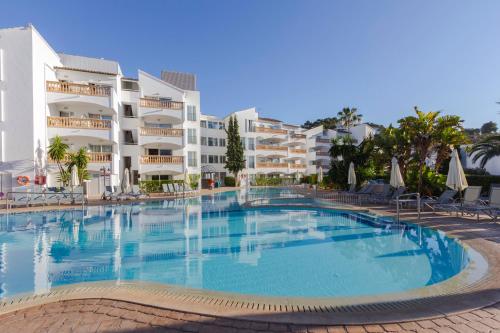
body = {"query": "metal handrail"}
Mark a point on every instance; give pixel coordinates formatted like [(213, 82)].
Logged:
[(417, 195)]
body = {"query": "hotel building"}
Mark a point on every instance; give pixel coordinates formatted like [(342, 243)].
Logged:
[(150, 125)]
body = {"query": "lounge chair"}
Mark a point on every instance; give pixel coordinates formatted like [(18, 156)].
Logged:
[(395, 194), (137, 193), (168, 189), (445, 198), (470, 203), (381, 196), (492, 206)]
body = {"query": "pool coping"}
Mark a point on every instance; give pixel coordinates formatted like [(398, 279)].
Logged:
[(454, 295)]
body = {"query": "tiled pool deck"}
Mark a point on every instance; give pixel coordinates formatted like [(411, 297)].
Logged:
[(474, 309)]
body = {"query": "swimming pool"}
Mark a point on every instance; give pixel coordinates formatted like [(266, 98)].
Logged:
[(214, 243)]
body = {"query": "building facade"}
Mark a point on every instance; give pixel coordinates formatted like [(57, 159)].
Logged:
[(150, 125)]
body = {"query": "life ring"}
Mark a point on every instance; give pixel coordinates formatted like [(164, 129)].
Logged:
[(23, 180)]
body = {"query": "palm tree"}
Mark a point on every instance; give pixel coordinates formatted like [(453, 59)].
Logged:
[(349, 117), (57, 151), (80, 160), (486, 149), (422, 130), (449, 133)]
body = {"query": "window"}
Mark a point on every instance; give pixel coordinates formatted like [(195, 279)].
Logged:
[(192, 136), (128, 112), (243, 142), (212, 124), (203, 158), (130, 85), (157, 125), (222, 125), (161, 152), (66, 114), (203, 123), (192, 159), (161, 177), (191, 112), (213, 159), (251, 162), (222, 142), (251, 144), (212, 142), (222, 159), (203, 140), (101, 148)]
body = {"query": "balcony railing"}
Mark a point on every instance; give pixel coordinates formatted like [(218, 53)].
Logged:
[(78, 89), (272, 165), (297, 166), (299, 136), (262, 129), (161, 159), (321, 140), (87, 123), (322, 153), (162, 104), (298, 151), (93, 158), (158, 131), (270, 147)]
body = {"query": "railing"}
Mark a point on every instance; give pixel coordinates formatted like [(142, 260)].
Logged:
[(270, 147), (297, 166), (322, 153), (399, 201), (66, 122), (320, 140), (158, 131), (77, 88), (298, 151), (272, 165), (262, 129), (93, 158), (299, 136), (162, 104), (161, 159)]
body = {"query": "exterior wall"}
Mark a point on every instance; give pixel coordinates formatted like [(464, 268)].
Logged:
[(492, 166)]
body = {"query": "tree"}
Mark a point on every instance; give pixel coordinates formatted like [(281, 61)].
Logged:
[(235, 161), (327, 123), (449, 133), (421, 129), (80, 160), (57, 152), (486, 149), (349, 117), (389, 142), (489, 127)]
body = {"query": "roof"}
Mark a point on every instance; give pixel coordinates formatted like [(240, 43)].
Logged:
[(88, 64), (269, 119), (185, 81)]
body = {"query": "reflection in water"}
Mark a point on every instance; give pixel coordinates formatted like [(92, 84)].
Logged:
[(212, 243)]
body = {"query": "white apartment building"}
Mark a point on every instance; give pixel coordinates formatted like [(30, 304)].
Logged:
[(147, 124), (150, 125), (271, 147)]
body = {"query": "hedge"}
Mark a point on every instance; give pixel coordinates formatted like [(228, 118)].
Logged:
[(484, 181), (229, 181), (155, 186)]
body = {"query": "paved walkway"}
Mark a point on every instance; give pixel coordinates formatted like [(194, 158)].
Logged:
[(101, 315)]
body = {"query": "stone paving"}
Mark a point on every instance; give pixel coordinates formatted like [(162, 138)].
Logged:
[(102, 315)]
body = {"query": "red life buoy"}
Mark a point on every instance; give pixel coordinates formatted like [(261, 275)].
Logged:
[(23, 180)]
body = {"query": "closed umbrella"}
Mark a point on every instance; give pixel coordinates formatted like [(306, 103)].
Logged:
[(456, 177), (351, 176), (126, 181), (396, 177), (320, 175), (75, 181)]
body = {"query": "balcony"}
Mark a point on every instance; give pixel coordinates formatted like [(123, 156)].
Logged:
[(68, 92), (93, 158), (170, 137), (271, 147), (322, 153), (297, 166), (172, 110), (261, 129), (298, 136), (298, 151), (272, 165), (161, 164), (82, 127), (322, 140)]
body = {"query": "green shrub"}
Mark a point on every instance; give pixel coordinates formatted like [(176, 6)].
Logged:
[(264, 181), (484, 181), (155, 186), (433, 183), (194, 181), (229, 181)]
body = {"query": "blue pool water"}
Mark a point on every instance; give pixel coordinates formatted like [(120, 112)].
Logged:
[(213, 243)]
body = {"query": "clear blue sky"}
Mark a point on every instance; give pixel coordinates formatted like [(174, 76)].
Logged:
[(295, 60)]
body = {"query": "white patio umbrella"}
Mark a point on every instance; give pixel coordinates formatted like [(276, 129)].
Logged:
[(456, 177), (396, 177), (351, 176), (126, 181), (74, 177), (320, 175)]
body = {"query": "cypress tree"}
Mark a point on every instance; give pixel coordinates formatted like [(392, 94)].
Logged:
[(235, 161)]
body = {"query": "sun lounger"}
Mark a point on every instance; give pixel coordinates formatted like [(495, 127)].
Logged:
[(491, 207), (137, 193), (383, 196), (469, 205), (445, 198)]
